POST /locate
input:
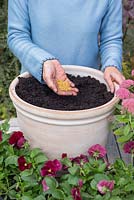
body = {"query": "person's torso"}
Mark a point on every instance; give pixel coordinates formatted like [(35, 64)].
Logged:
[(68, 29)]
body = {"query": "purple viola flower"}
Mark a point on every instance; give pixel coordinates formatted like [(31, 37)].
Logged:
[(97, 151), (105, 186), (129, 147), (76, 193), (51, 167), (17, 139), (22, 164), (80, 159)]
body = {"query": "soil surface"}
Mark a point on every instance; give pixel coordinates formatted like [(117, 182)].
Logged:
[(91, 94)]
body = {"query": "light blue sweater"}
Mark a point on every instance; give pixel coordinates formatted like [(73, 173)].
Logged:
[(67, 30)]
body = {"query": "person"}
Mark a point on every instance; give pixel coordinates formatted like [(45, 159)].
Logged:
[(46, 34)]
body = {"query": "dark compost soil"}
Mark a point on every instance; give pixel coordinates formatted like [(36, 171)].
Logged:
[(91, 94)]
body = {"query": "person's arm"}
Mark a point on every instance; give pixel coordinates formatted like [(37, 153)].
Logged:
[(19, 39), (111, 36), (111, 44)]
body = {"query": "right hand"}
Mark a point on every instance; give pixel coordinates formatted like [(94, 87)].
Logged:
[(53, 71)]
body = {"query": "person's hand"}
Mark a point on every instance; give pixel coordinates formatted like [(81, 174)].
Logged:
[(111, 75), (52, 72)]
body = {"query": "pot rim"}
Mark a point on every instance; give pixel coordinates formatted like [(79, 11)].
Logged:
[(42, 111)]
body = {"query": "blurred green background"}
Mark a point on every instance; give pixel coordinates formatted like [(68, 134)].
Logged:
[(10, 66)]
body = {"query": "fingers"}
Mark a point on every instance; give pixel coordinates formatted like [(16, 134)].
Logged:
[(112, 75), (108, 79), (53, 72), (51, 84)]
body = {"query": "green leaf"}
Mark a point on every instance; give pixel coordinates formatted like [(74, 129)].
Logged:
[(73, 170), (122, 118), (41, 158), (66, 187), (69, 198), (51, 182), (28, 176), (86, 196), (27, 198), (73, 180), (2, 176), (1, 159), (66, 162), (26, 172), (129, 187), (58, 194), (35, 152), (116, 198), (11, 160), (126, 138), (94, 184), (126, 130), (98, 197), (102, 167), (119, 131), (5, 126), (41, 197), (12, 194), (99, 177)]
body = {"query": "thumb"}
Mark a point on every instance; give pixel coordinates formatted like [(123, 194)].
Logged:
[(51, 83), (108, 79), (49, 77)]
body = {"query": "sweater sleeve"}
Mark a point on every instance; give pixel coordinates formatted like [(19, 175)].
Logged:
[(20, 41), (111, 36)]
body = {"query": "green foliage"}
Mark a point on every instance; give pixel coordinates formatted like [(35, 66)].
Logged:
[(76, 177), (9, 66)]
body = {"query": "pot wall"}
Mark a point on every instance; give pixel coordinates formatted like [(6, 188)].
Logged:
[(57, 132)]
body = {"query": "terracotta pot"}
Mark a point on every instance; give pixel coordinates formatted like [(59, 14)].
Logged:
[(57, 132)]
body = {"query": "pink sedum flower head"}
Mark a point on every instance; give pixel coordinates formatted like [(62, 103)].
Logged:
[(51, 167), (105, 186), (97, 151), (132, 73), (129, 147), (0, 135), (128, 104), (45, 187), (127, 83), (23, 165), (123, 93), (17, 139), (76, 194)]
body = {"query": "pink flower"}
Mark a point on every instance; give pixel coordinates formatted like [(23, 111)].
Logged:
[(45, 187), (23, 165), (128, 104), (132, 73), (97, 151), (123, 93), (17, 139), (105, 186), (127, 83), (129, 147), (76, 194), (0, 135), (51, 167)]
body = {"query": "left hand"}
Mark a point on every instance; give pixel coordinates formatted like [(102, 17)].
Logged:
[(111, 75)]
